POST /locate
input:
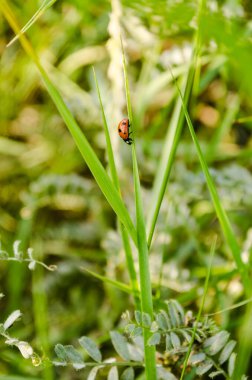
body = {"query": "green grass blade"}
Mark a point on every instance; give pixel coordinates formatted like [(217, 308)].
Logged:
[(83, 145), (225, 126), (124, 234), (111, 160), (173, 135), (143, 252), (200, 310), (119, 285), (220, 212), (235, 306), (44, 6), (167, 159)]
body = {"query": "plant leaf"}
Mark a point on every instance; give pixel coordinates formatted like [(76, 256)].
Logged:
[(128, 374), (215, 373), (215, 343), (120, 344), (129, 329), (146, 320), (174, 316), (162, 321), (138, 317), (17, 253), (164, 374), (91, 347), (25, 348), (70, 354), (93, 373), (113, 374), (11, 319), (197, 358), (231, 363), (179, 309), (186, 335), (175, 340), (60, 352), (226, 352), (136, 353), (138, 331), (168, 343), (204, 367), (154, 339)]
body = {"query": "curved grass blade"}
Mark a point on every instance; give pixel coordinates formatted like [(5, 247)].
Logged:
[(167, 158), (220, 212), (83, 145), (119, 285), (124, 234), (143, 252), (44, 6), (173, 136), (235, 306)]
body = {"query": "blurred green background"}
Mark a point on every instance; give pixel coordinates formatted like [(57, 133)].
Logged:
[(48, 198)]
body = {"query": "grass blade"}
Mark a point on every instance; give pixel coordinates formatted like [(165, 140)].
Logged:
[(173, 135), (220, 212), (235, 306), (119, 285), (83, 145), (224, 127), (167, 159), (124, 234), (44, 6), (143, 252)]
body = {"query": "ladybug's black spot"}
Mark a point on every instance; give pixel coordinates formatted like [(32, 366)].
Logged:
[(119, 130), (125, 133)]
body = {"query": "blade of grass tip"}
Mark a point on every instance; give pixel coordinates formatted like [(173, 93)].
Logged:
[(243, 120), (113, 171), (145, 280), (200, 309), (235, 306), (222, 130), (173, 135), (119, 285), (44, 6), (111, 160), (220, 212), (167, 158), (83, 145)]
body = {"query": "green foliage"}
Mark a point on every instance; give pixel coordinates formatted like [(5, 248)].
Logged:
[(24, 347), (50, 201), (171, 333)]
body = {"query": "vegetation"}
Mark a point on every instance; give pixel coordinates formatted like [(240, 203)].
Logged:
[(126, 261)]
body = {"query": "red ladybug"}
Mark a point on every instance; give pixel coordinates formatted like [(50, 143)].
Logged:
[(123, 130)]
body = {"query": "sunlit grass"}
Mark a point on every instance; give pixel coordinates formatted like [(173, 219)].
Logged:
[(165, 168)]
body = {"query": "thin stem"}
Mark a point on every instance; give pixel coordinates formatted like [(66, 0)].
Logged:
[(143, 251)]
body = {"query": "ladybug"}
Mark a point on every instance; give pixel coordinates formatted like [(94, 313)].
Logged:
[(123, 130)]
